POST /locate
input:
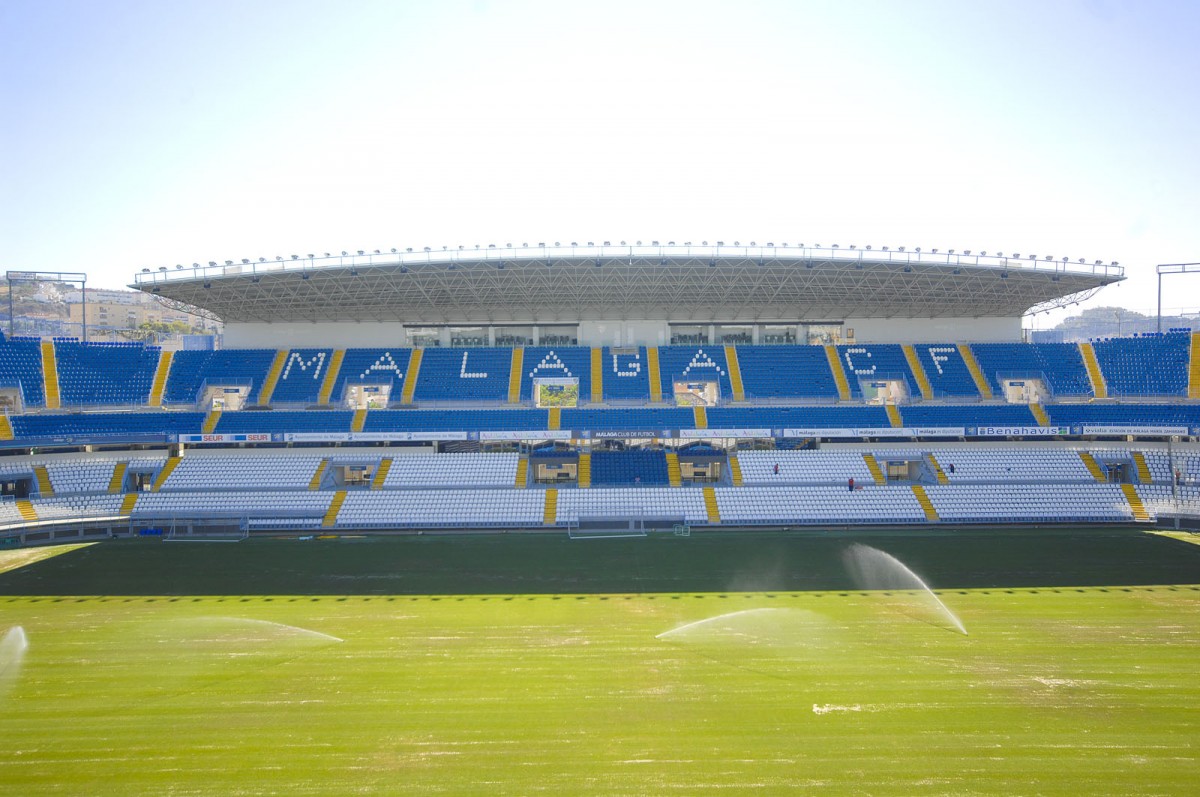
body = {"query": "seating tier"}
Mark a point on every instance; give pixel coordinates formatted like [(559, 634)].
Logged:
[(104, 374)]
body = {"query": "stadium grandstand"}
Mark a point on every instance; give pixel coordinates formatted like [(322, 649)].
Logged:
[(577, 386)]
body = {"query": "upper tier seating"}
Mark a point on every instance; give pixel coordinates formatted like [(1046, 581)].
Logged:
[(464, 375), (984, 465), (21, 366), (93, 474), (626, 374), (184, 504), (877, 361), (556, 362), (284, 421), (1124, 414), (78, 506), (300, 380), (1160, 500), (770, 372), (446, 470), (644, 467), (967, 415), (810, 467), (796, 506), (1059, 365), (191, 370), (1026, 503), (107, 424), (1150, 365), (693, 363), (372, 367), (216, 472), (104, 373), (631, 502), (454, 508), (948, 375)]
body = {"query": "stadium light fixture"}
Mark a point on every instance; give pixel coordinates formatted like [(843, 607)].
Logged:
[(966, 251), (326, 254), (162, 268), (868, 247), (884, 248), (255, 279), (983, 253), (280, 259), (377, 251), (304, 276), (409, 249), (556, 243), (295, 257), (212, 263), (908, 269), (951, 251), (901, 249), (720, 243), (245, 261), (229, 262), (918, 250), (343, 253), (361, 251), (835, 246), (935, 251), (394, 249), (179, 267)]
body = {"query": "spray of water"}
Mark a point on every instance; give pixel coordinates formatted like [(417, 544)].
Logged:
[(873, 569), (723, 624), (12, 653)]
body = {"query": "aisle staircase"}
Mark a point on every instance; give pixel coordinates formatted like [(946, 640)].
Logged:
[(315, 482), (268, 388), (117, 483), (210, 422), (1095, 376), (554, 419), (514, 375), (710, 505), (410, 377), (876, 471), (1135, 503), (128, 504), (942, 478), (171, 464), (654, 375), (335, 506), (700, 416), (1143, 470), (159, 385), (735, 373), (981, 384), (331, 375), (674, 476), (918, 370), (26, 509), (597, 375), (735, 471), (1194, 368), (1039, 412), (522, 479), (45, 487), (839, 373), (1093, 467), (893, 413), (50, 376), (358, 421), (6, 430), (584, 473), (926, 505), (381, 474), (550, 508)]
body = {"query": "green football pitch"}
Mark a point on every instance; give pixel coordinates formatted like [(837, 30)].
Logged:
[(506, 664)]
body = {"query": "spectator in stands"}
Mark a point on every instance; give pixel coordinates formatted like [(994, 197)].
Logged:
[(851, 484), (952, 467), (776, 468)]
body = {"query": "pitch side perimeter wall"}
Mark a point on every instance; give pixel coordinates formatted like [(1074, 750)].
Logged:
[(352, 334)]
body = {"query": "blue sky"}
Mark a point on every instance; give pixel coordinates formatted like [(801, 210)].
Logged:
[(141, 134)]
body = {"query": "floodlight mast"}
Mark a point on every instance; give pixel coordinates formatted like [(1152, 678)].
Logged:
[(1172, 268), (45, 276)]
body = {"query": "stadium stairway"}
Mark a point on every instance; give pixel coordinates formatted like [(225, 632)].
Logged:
[(359, 421), (550, 508), (710, 505), (50, 376), (926, 505), (584, 471), (674, 477), (893, 413), (735, 471), (514, 375), (1040, 414), (554, 419), (315, 482), (597, 375), (700, 417), (117, 482), (159, 385), (1093, 466), (210, 421), (1143, 469), (171, 464), (26, 509), (268, 387), (942, 478), (918, 370), (1135, 503), (381, 474), (522, 478), (876, 471), (335, 506), (981, 384), (652, 368), (410, 381), (128, 503), (331, 376), (839, 373), (6, 430), (735, 373), (1099, 388), (1194, 367), (45, 488)]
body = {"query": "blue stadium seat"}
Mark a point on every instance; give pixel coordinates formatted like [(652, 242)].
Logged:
[(629, 419), (191, 370), (557, 362), (21, 366), (620, 468), (948, 375), (915, 415), (373, 367), (302, 375), (1149, 365), (1059, 365), (464, 375), (1125, 414), (772, 372), (626, 375), (284, 421), (107, 424), (693, 363), (876, 361), (495, 420), (842, 417), (104, 374)]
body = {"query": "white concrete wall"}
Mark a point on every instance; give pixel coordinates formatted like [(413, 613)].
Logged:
[(935, 330), (331, 335)]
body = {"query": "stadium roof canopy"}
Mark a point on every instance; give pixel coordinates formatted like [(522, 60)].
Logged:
[(675, 282)]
